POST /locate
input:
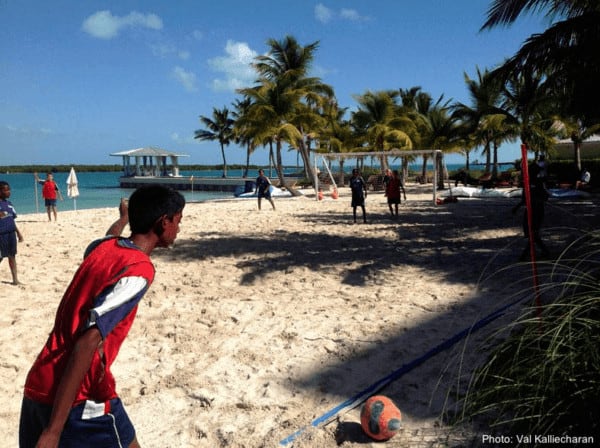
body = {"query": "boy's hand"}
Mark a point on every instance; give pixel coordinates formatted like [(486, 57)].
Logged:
[(123, 208), (48, 439)]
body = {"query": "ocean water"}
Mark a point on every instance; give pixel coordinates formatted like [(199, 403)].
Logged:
[(101, 189), (96, 190)]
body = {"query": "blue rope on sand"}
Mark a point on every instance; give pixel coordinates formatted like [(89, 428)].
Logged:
[(354, 401)]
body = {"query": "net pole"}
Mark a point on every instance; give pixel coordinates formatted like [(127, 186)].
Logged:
[(329, 172), (434, 180), (316, 176)]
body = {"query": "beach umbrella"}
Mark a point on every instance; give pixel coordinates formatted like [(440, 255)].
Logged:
[(72, 189)]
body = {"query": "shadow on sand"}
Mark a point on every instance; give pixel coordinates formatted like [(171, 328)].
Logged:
[(446, 240)]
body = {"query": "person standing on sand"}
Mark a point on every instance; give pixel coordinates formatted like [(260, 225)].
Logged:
[(358, 186), (583, 180), (8, 231), (539, 196), (263, 185), (393, 189), (70, 396), (49, 193)]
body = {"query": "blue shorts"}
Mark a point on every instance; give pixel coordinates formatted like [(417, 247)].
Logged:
[(50, 202), (266, 193), (8, 244), (90, 424)]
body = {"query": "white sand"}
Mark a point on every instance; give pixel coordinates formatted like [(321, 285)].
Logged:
[(260, 322)]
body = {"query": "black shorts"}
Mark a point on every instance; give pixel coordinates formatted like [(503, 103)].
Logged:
[(8, 244), (88, 424)]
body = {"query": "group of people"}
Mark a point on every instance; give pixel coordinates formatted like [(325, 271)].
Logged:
[(9, 232), (393, 190), (70, 396)]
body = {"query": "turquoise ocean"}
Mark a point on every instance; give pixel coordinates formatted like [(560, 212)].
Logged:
[(101, 189), (96, 190)]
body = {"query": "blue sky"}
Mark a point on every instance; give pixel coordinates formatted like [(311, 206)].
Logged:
[(82, 79)]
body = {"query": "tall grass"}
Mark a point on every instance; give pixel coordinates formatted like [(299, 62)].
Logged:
[(544, 378)]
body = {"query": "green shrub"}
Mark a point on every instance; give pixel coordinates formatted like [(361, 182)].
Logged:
[(545, 377)]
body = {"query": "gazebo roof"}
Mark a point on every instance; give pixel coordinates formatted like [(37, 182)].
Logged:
[(567, 141), (590, 148), (151, 151)]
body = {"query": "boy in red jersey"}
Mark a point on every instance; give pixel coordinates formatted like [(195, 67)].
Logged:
[(70, 398), (392, 191), (49, 192)]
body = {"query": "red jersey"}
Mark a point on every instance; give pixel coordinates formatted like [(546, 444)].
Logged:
[(49, 189), (104, 293), (392, 190)]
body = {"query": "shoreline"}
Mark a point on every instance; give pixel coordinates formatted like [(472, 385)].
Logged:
[(257, 322)]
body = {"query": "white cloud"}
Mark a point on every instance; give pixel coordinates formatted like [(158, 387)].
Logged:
[(104, 25), (186, 79), (235, 65), (182, 140), (164, 50), (323, 13), (350, 14), (198, 35), (29, 132)]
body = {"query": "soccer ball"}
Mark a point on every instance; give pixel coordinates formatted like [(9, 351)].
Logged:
[(380, 418)]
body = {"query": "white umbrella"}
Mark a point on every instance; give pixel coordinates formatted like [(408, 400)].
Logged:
[(72, 189)]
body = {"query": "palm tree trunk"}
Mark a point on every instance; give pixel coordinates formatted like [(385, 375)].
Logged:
[(271, 158), (248, 151), (577, 155), (424, 168), (224, 161), (280, 175), (488, 156), (404, 169), (305, 154), (495, 163), (341, 173)]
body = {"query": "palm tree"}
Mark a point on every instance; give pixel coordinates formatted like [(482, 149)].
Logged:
[(336, 136), (578, 132), (244, 134), (567, 52), (383, 128), (219, 127), (416, 106), (442, 133), (286, 100), (481, 119), (527, 103)]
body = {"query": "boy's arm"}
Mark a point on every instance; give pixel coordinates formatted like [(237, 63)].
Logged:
[(521, 202), (117, 227), (37, 179), (19, 234), (78, 364)]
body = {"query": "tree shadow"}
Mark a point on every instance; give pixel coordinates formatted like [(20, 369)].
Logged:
[(446, 241)]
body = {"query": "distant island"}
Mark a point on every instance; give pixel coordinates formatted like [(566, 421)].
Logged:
[(106, 168)]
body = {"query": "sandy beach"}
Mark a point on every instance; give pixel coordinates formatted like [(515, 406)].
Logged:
[(258, 323)]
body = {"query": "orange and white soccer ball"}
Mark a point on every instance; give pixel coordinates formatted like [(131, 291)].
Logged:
[(380, 418)]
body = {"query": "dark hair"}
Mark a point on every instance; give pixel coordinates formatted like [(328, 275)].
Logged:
[(147, 204), (3, 183)]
